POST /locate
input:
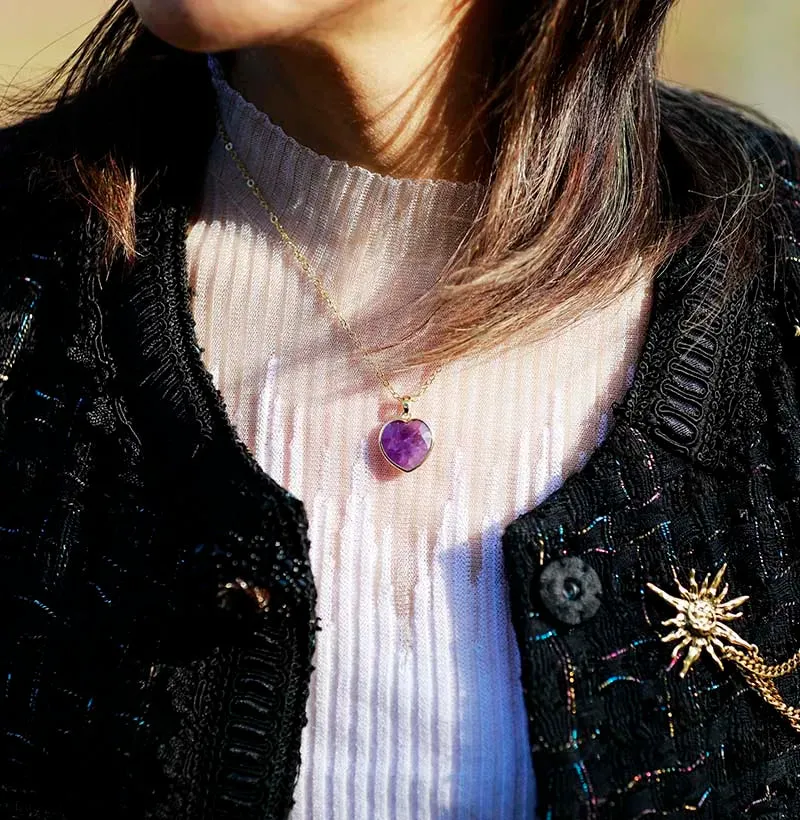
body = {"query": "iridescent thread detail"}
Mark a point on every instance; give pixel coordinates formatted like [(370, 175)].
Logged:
[(646, 776)]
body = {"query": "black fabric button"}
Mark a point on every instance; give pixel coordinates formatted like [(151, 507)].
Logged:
[(570, 590)]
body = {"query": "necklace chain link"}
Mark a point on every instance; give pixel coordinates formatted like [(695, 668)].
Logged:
[(316, 280)]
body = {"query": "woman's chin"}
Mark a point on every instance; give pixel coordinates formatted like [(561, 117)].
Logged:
[(214, 25)]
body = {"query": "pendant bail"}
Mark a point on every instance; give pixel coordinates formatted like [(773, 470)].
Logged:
[(406, 414)]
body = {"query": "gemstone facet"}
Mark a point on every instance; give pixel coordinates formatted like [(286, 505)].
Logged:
[(405, 443)]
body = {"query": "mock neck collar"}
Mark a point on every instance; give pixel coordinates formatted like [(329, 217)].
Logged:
[(338, 211)]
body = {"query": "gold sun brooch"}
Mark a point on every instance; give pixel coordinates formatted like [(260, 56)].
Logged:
[(701, 620), (701, 624)]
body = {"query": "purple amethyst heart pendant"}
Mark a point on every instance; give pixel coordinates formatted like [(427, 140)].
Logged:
[(405, 442)]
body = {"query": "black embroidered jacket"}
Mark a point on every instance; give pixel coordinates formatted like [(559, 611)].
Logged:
[(139, 677)]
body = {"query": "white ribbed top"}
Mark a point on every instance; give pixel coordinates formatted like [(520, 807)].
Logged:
[(415, 708)]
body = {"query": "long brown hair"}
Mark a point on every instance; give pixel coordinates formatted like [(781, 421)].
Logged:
[(599, 171)]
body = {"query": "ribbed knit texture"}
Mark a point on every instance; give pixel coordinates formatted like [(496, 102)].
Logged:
[(416, 708)]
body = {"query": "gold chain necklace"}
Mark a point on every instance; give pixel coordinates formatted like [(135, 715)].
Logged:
[(404, 441)]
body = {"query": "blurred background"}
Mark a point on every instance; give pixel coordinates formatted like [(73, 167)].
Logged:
[(748, 50)]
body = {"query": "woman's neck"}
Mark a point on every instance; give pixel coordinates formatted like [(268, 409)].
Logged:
[(395, 94)]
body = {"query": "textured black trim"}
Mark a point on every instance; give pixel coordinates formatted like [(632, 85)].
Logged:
[(244, 526)]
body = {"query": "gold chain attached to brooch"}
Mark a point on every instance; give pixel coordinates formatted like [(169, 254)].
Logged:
[(761, 675), (700, 625)]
